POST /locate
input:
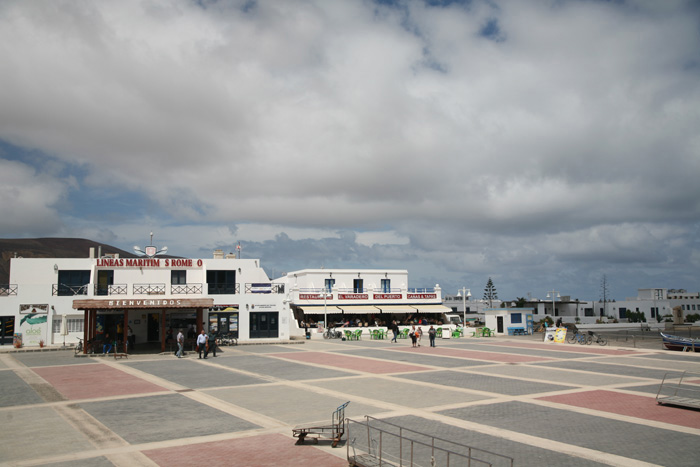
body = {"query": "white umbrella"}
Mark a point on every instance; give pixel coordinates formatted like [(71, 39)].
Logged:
[(64, 328)]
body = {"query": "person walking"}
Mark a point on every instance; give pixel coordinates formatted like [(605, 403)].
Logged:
[(394, 330), (211, 341), (431, 336), (180, 343), (419, 335), (413, 336), (202, 344)]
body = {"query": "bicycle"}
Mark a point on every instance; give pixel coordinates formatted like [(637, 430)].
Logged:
[(80, 346), (576, 336), (227, 339), (597, 338), (331, 333)]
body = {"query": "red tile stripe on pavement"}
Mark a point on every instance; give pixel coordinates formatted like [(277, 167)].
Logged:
[(269, 450), (92, 381), (630, 405)]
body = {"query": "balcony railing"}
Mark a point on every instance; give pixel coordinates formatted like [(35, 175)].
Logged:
[(223, 288), (8, 289), (149, 289), (111, 289), (186, 289), (264, 287), (68, 290)]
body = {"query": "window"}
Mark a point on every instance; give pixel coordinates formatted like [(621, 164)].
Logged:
[(357, 286), (73, 325), (386, 285), (73, 282), (178, 277), (516, 318), (330, 283), (221, 282), (623, 313)]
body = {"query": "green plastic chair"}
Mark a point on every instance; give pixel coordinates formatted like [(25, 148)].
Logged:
[(348, 335), (457, 333), (358, 334), (438, 333), (404, 333), (486, 332)]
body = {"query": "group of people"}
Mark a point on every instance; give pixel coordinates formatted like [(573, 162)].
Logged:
[(205, 343), (415, 334)]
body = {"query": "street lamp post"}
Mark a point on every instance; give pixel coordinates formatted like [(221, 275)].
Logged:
[(554, 294), (464, 293), (325, 316)]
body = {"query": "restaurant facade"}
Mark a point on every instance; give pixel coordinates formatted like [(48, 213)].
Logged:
[(59, 301)]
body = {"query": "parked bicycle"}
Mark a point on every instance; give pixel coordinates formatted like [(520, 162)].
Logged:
[(597, 338), (226, 339), (332, 333), (81, 345), (574, 335)]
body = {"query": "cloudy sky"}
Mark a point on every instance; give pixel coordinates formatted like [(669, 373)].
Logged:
[(542, 143)]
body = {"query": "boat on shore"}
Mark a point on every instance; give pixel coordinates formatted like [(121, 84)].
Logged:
[(680, 343)]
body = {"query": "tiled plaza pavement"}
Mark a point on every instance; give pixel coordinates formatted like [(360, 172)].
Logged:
[(542, 404)]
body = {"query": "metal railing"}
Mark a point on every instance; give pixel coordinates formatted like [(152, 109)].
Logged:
[(185, 289), (68, 290), (149, 289), (223, 288), (377, 442), (264, 287), (112, 289), (8, 289)]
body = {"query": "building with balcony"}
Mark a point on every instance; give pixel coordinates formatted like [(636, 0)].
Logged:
[(58, 300), (62, 300), (359, 297)]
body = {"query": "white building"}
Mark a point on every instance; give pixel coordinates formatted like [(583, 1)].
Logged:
[(359, 296), (652, 303), (150, 295), (57, 300)]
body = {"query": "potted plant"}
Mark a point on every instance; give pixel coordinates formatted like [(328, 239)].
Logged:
[(41, 343)]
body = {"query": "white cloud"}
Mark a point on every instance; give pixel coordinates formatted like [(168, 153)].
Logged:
[(240, 121)]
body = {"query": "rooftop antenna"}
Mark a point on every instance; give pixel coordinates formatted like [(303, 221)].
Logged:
[(150, 250)]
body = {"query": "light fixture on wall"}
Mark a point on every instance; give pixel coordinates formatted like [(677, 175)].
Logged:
[(55, 268), (358, 275)]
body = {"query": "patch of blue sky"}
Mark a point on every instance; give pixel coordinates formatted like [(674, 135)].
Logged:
[(107, 204), (492, 30), (82, 199)]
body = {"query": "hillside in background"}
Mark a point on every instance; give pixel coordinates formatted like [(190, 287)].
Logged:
[(49, 248)]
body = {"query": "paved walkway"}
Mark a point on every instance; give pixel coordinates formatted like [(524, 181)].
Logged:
[(542, 404)]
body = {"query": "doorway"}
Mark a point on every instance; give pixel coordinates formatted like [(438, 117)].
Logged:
[(499, 324), (264, 325), (7, 329), (153, 332)]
